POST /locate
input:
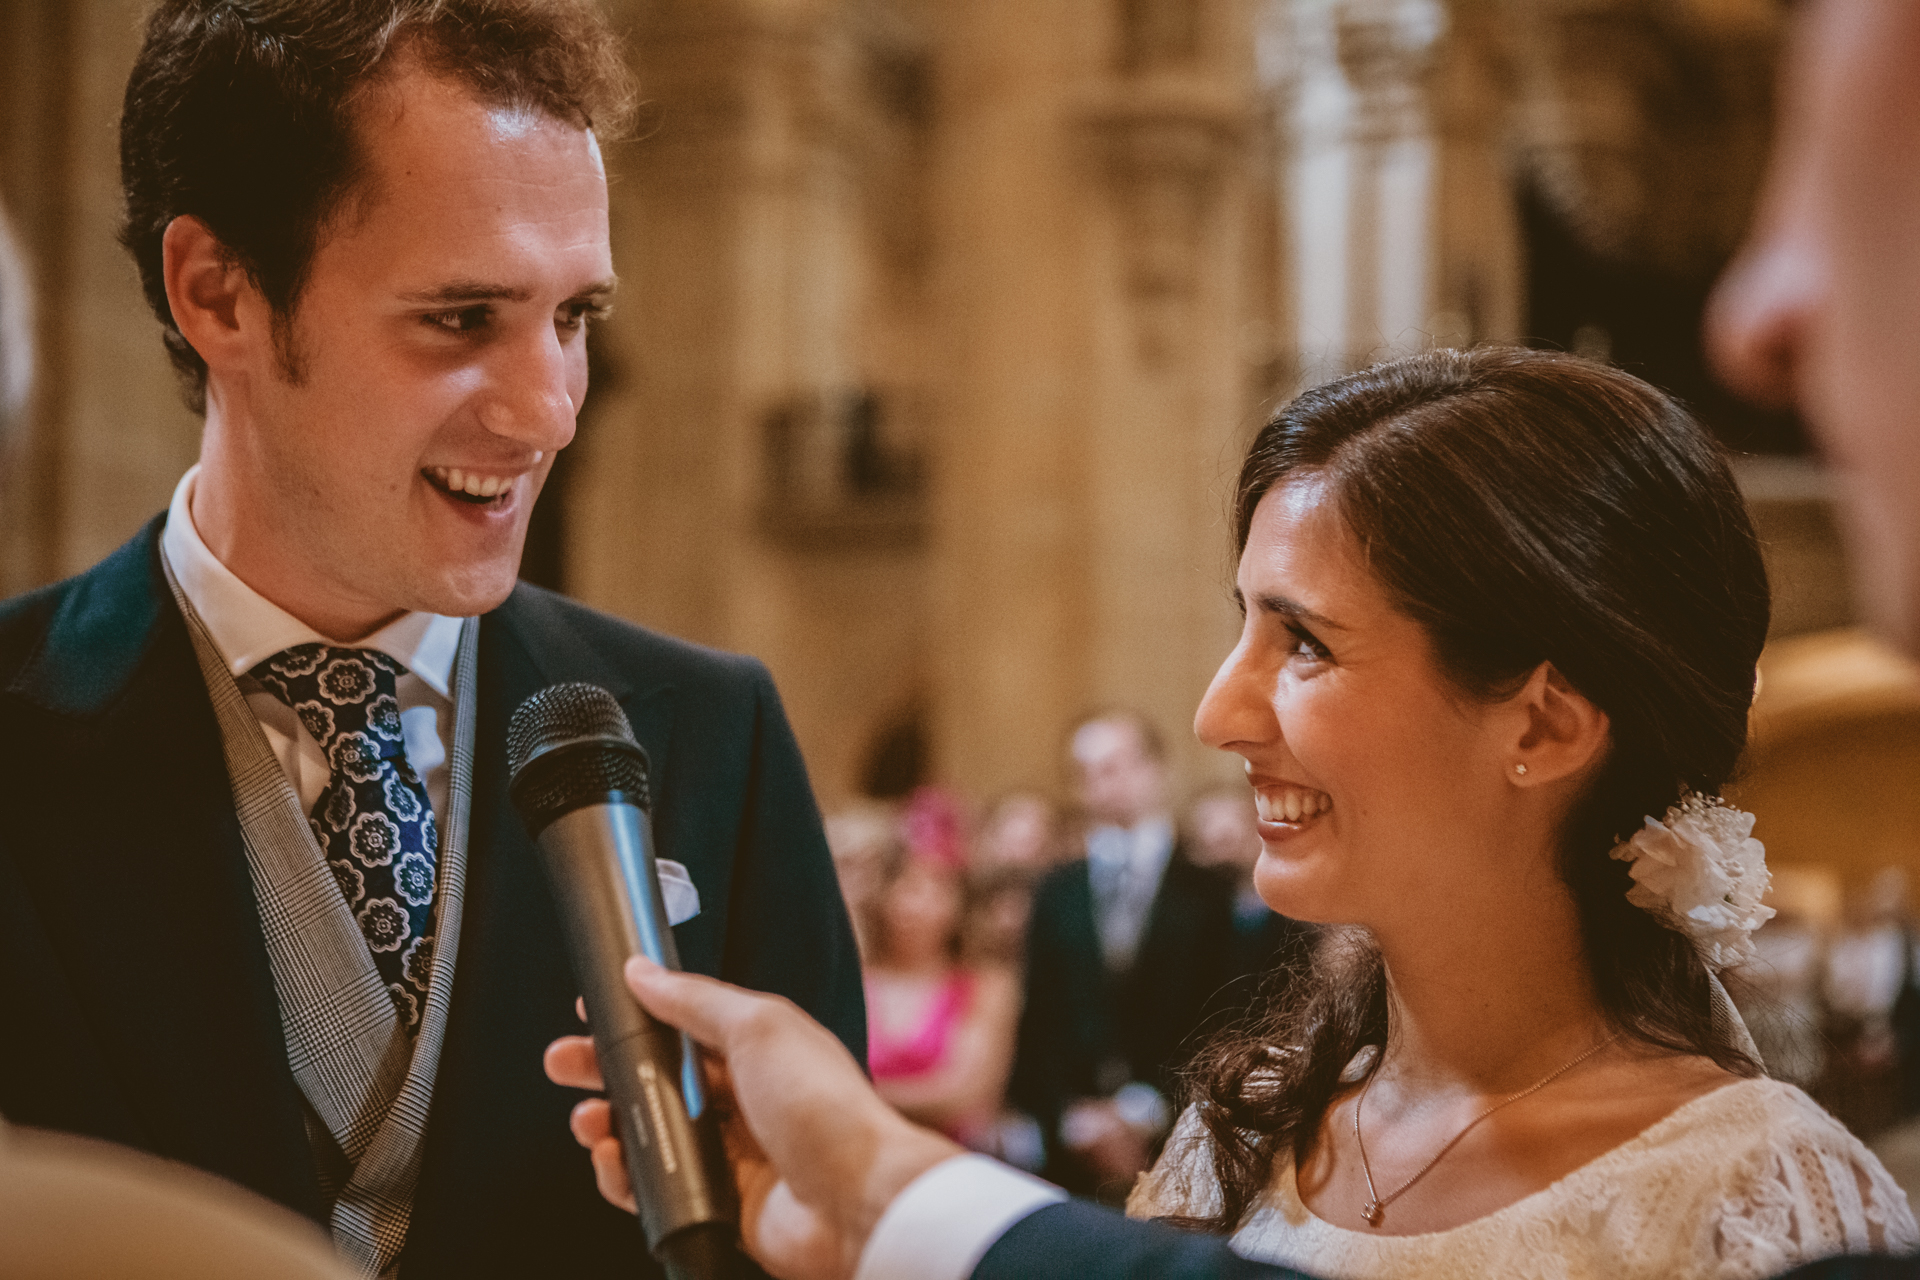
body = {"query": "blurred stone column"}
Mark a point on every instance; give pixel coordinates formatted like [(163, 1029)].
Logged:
[(1403, 224), (743, 242), (1091, 204)]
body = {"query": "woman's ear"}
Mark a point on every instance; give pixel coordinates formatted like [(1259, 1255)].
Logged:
[(1562, 733)]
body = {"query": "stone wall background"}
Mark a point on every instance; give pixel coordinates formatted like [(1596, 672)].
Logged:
[(943, 321)]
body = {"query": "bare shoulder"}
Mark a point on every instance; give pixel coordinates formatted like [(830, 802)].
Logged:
[(1626, 1093), (1658, 1081)]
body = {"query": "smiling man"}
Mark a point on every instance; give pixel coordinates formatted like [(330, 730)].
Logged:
[(267, 907)]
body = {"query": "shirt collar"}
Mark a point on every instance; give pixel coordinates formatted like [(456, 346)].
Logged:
[(248, 628), (1146, 842)]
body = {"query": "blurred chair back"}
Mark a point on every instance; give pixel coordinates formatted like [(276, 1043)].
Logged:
[(1833, 769)]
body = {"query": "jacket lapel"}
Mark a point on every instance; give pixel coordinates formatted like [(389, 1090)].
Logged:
[(143, 888)]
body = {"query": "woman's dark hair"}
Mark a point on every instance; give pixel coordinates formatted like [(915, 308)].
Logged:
[(242, 114), (1524, 507)]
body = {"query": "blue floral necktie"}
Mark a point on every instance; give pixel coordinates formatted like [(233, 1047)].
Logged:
[(373, 820)]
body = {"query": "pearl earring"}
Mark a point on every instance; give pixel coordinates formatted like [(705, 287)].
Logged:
[(1520, 769)]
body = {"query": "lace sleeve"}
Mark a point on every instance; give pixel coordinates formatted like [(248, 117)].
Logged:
[(1815, 1191), (1181, 1182)]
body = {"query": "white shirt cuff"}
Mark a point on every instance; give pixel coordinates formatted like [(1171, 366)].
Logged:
[(947, 1218)]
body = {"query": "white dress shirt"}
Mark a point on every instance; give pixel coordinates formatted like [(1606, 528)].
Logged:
[(947, 1218), (248, 629), (1125, 866)]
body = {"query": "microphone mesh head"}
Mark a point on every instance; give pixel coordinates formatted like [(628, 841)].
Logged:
[(571, 745), (563, 713)]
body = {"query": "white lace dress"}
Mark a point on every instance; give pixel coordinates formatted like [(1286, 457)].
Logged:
[(1744, 1182)]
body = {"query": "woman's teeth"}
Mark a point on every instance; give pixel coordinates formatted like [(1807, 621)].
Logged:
[(1291, 804), (471, 483)]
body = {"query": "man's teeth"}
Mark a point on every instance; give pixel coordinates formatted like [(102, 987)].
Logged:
[(1291, 804), (456, 480)]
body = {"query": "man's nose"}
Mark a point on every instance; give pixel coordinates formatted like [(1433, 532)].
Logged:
[(533, 393)]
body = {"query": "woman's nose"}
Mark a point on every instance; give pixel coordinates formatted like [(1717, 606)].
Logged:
[(1238, 707)]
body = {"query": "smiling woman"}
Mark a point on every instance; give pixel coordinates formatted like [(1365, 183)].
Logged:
[(1502, 608)]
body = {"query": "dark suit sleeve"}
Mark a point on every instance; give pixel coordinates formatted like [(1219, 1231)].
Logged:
[(1076, 1240), (789, 932), (1873, 1268)]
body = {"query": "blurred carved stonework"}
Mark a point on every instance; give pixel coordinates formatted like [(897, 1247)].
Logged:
[(1392, 115), (943, 323), (1647, 122), (929, 362), (1412, 127)]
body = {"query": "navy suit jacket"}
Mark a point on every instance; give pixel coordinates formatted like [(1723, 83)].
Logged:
[(1075, 1240), (136, 1000), (1084, 1030)]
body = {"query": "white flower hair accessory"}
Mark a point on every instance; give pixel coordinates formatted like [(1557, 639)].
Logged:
[(1701, 873)]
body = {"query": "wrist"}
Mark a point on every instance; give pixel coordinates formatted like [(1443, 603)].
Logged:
[(901, 1152)]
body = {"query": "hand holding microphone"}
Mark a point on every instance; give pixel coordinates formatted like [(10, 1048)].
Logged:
[(817, 1154), (579, 781)]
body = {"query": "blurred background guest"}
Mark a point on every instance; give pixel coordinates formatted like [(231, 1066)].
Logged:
[(1127, 946), (1020, 829), (1872, 1006), (1780, 994), (863, 838), (1223, 834), (16, 334), (939, 1027), (1018, 841)]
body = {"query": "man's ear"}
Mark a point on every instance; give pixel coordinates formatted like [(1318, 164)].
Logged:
[(1563, 733), (215, 305)]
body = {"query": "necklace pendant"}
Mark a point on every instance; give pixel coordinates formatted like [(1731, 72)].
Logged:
[(1373, 1213)]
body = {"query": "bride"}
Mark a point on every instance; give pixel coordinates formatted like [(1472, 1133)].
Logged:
[(1502, 614)]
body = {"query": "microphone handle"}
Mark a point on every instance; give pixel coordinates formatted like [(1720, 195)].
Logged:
[(600, 861)]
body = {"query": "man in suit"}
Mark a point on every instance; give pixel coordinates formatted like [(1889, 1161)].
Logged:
[(265, 906), (1126, 947), (1224, 834)]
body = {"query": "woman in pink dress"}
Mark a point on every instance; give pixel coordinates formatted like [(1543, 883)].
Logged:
[(939, 1031)]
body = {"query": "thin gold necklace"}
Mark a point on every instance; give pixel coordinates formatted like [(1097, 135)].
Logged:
[(1376, 1208)]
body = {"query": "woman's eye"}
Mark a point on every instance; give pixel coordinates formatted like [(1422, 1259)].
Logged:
[(1306, 646)]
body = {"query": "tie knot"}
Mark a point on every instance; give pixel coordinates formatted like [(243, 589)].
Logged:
[(345, 698)]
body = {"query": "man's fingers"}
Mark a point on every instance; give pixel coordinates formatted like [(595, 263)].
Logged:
[(571, 1061), (610, 1175), (591, 1121), (727, 1019), (705, 1008), (592, 1125)]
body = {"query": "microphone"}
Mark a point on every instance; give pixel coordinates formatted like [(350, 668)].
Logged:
[(579, 781)]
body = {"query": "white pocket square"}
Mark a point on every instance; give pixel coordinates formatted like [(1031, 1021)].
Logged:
[(677, 891)]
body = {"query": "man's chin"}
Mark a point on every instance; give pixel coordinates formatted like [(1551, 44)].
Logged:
[(471, 592)]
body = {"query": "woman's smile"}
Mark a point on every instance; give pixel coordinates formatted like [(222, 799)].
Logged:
[(1287, 808)]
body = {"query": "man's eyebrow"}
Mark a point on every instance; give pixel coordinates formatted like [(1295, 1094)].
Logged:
[(460, 293), (1287, 607)]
